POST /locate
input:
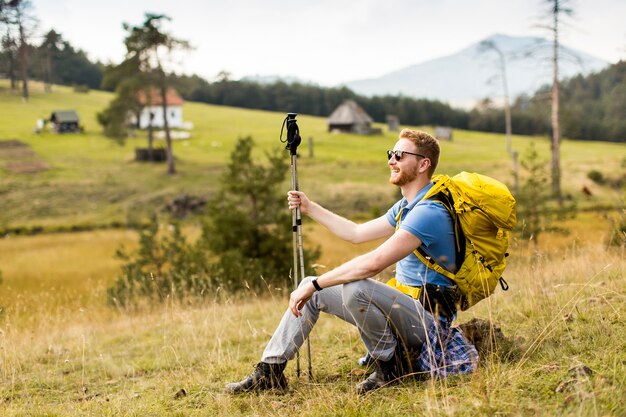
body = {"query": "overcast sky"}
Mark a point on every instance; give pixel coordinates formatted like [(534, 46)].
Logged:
[(328, 41)]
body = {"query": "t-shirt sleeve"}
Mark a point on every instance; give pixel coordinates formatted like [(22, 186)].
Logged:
[(428, 221), (392, 213)]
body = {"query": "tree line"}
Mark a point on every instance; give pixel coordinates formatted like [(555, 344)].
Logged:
[(592, 108), (56, 61), (49, 58), (315, 100)]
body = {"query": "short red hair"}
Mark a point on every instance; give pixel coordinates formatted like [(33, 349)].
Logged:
[(426, 144)]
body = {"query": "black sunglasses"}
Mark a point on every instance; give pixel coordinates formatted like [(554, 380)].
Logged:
[(399, 154)]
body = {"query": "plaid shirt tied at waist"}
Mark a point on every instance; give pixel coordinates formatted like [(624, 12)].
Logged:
[(446, 351)]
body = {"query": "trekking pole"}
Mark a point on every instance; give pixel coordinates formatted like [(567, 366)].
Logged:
[(293, 141)]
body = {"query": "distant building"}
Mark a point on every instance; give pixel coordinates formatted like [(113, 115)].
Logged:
[(64, 121), (443, 133), (351, 118), (152, 109), (393, 123)]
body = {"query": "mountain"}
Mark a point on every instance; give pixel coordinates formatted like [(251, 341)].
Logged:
[(470, 75)]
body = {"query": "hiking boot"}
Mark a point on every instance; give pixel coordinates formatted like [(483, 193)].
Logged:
[(385, 373), (366, 360), (266, 376)]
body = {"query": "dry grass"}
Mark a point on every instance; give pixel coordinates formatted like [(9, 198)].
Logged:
[(70, 355), (60, 274)]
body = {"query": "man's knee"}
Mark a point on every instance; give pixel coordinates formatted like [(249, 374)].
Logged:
[(314, 301), (319, 300), (355, 293), (306, 280)]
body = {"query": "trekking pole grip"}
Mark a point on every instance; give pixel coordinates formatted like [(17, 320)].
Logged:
[(293, 139)]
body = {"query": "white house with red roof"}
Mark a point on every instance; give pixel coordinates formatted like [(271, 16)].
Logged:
[(152, 109)]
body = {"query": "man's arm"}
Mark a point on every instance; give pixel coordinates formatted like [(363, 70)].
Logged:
[(340, 226), (398, 246)]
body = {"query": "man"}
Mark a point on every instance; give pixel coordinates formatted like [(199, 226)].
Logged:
[(390, 318)]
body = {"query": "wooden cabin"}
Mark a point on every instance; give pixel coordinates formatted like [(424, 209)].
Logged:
[(349, 117)]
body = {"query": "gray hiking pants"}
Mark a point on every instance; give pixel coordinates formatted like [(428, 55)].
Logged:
[(381, 313)]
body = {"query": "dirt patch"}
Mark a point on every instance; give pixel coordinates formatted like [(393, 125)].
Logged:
[(20, 158), (12, 153), (13, 148), (26, 167), (12, 143)]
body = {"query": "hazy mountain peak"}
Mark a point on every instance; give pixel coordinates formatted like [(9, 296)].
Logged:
[(271, 79), (472, 73)]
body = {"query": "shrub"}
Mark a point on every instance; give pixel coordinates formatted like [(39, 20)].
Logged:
[(618, 229), (113, 120), (165, 267), (596, 176), (618, 234), (536, 210)]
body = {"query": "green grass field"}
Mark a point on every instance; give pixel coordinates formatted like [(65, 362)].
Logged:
[(93, 181), (63, 352)]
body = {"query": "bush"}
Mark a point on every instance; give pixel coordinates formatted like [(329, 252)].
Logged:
[(165, 267), (618, 229), (618, 234), (537, 212), (596, 176), (113, 120)]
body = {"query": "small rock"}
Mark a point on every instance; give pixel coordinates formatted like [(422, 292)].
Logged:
[(565, 386), (580, 371), (357, 372), (180, 394)]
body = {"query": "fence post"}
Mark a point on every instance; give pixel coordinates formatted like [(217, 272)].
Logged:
[(311, 147)]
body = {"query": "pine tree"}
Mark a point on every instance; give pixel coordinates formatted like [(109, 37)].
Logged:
[(249, 228), (147, 47)]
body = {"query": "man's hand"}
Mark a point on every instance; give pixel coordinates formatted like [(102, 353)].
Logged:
[(298, 199), (299, 297)]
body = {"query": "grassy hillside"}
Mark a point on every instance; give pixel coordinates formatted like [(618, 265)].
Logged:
[(564, 314), (93, 181), (64, 352)]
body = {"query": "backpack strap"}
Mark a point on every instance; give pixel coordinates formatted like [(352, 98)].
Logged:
[(431, 263), (444, 198)]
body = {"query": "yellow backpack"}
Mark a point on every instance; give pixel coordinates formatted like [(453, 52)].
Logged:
[(483, 212)]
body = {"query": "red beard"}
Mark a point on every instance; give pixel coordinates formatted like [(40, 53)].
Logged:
[(403, 177)]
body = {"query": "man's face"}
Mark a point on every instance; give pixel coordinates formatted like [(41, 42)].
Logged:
[(407, 168)]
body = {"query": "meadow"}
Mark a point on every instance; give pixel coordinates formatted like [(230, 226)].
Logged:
[(64, 352)]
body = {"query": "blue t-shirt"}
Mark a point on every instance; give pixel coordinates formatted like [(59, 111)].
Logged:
[(432, 224)]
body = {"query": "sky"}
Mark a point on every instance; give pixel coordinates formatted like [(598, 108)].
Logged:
[(327, 41)]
